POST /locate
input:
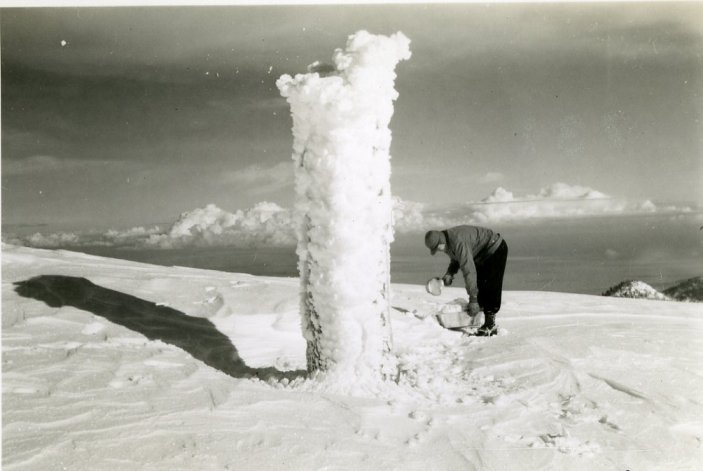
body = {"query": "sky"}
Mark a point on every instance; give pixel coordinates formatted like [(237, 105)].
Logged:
[(120, 117)]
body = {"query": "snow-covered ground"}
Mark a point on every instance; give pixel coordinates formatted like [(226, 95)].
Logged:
[(110, 365)]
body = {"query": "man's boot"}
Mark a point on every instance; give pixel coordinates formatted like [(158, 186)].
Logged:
[(489, 327)]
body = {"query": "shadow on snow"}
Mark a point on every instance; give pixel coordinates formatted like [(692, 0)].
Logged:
[(197, 336)]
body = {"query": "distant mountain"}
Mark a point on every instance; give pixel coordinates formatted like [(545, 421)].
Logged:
[(690, 290), (635, 289)]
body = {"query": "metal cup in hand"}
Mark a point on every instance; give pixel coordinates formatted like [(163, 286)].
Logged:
[(434, 286)]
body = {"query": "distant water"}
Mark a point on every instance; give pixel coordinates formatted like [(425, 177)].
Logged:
[(579, 256)]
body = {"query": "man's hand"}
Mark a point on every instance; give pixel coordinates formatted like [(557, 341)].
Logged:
[(447, 280), (474, 309)]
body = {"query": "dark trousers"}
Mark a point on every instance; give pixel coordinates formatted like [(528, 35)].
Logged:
[(489, 277)]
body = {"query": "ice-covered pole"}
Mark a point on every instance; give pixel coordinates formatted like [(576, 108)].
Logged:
[(341, 153)]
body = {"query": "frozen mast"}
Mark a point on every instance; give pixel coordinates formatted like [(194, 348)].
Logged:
[(341, 152)]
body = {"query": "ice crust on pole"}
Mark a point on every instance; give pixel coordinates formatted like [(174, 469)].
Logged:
[(343, 208)]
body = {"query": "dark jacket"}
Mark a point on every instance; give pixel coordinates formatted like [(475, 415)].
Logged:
[(468, 246)]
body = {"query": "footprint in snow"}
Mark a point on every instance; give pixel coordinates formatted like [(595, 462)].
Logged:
[(604, 420)]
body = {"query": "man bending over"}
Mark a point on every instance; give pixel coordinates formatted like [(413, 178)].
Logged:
[(480, 254)]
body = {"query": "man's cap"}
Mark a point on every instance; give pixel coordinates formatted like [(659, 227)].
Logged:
[(433, 239)]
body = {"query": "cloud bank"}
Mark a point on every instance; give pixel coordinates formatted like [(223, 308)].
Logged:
[(264, 224), (559, 200), (268, 224)]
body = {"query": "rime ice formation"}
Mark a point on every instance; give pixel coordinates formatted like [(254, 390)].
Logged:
[(344, 207)]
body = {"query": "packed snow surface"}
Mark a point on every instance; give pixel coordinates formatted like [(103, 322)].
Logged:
[(109, 364)]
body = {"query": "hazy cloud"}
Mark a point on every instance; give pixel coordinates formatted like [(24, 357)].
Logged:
[(47, 163), (492, 177), (134, 237), (612, 254), (262, 179)]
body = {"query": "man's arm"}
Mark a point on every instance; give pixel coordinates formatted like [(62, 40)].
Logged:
[(453, 268), (465, 262), (448, 277)]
